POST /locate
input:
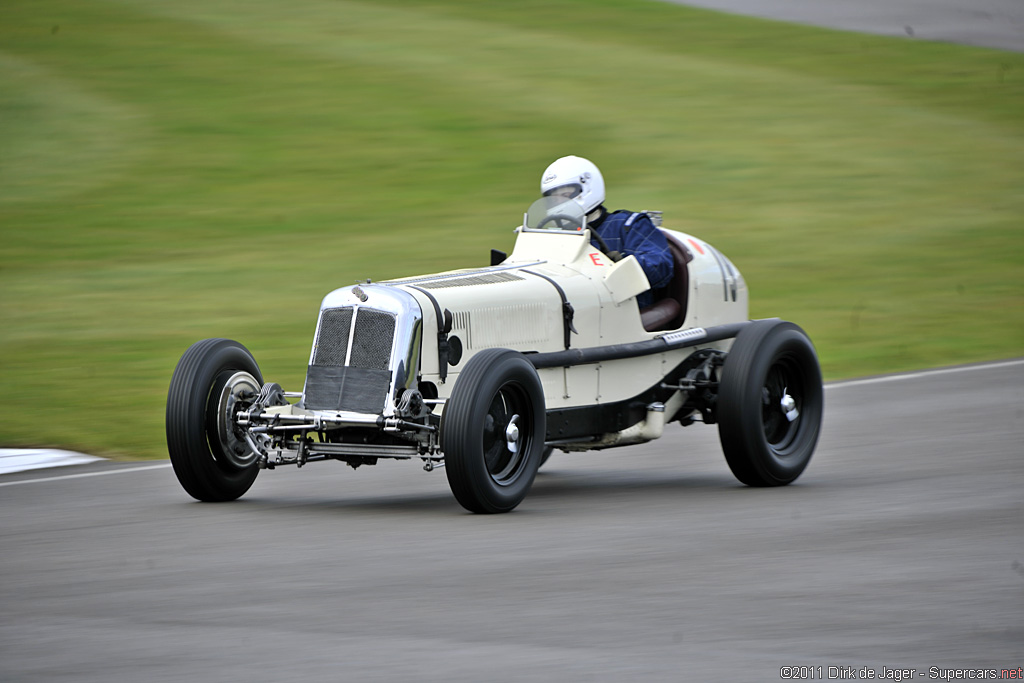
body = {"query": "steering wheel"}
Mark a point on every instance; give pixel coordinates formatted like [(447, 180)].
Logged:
[(560, 219)]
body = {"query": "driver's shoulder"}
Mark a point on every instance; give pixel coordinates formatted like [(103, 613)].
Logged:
[(622, 218), (629, 221)]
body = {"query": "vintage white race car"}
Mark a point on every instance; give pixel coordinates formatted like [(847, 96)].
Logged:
[(485, 370)]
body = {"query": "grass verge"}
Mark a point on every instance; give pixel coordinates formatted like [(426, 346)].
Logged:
[(175, 171)]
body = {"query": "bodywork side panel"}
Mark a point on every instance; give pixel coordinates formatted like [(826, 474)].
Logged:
[(521, 305)]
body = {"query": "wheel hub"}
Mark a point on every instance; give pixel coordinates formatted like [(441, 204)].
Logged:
[(788, 405), (240, 386), (506, 435), (780, 409), (512, 434)]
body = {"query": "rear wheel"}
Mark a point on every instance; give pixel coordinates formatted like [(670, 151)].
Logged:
[(213, 380), (770, 403), (492, 431)]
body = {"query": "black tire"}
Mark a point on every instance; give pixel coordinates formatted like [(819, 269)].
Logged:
[(545, 456), (770, 361), (484, 473), (209, 456)]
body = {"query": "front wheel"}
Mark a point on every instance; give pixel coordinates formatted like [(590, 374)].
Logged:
[(492, 431), (213, 380), (770, 403)]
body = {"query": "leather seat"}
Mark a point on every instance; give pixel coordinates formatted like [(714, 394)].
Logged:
[(669, 308), (660, 315)]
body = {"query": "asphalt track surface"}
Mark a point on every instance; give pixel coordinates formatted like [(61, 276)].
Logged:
[(986, 23), (902, 546)]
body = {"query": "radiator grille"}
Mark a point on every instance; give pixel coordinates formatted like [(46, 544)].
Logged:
[(361, 384), (332, 339), (375, 335), (352, 389)]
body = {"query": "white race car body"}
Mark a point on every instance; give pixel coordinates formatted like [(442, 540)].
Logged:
[(543, 349), (516, 305)]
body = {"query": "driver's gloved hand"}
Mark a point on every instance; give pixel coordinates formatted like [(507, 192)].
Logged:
[(615, 255)]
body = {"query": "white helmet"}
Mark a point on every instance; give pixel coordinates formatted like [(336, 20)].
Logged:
[(577, 178)]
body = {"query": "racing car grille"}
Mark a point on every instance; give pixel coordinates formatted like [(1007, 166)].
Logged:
[(332, 339), (375, 334), (361, 384)]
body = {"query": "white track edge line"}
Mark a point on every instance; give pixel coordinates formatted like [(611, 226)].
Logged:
[(923, 373), (86, 474)]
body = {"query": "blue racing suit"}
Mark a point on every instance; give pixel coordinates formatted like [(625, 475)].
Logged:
[(634, 234)]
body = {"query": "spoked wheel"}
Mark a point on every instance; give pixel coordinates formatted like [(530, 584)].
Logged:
[(213, 380), (492, 431), (770, 403)]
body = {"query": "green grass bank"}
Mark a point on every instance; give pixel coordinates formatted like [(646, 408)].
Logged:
[(176, 171)]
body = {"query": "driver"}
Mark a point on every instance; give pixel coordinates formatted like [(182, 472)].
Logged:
[(618, 234)]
